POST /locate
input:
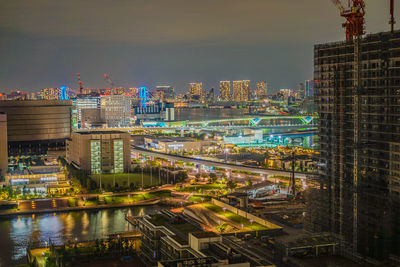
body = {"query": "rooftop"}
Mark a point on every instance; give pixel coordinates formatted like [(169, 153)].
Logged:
[(100, 132), (205, 234)]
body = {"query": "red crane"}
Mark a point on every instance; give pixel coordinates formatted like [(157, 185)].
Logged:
[(354, 15), (80, 83)]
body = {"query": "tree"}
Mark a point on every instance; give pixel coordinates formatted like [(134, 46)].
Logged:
[(249, 182), (213, 177), (231, 184)]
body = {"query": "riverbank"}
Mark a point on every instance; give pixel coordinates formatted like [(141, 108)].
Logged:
[(81, 208)]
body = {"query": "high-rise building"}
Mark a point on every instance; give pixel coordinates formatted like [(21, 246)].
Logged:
[(225, 90), (261, 90), (358, 98), (116, 110), (309, 88), (99, 152), (165, 93), (301, 90), (241, 90), (196, 90), (3, 145)]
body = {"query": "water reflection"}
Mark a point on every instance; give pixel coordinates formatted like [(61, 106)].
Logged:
[(18, 233)]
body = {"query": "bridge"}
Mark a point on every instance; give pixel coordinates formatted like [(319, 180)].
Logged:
[(270, 122), (218, 164), (251, 121)]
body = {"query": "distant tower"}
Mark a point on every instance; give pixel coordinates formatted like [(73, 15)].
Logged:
[(143, 96), (261, 90), (196, 90)]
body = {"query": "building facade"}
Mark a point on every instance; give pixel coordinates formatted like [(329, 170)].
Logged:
[(116, 110), (54, 93), (36, 126), (358, 99), (3, 145), (241, 90), (99, 152), (261, 90), (83, 102), (225, 90), (196, 90)]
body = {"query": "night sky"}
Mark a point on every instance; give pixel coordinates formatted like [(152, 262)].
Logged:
[(44, 43)]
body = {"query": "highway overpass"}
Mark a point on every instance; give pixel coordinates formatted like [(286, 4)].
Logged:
[(223, 165)]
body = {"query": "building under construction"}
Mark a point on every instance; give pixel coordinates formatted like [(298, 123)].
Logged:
[(358, 97)]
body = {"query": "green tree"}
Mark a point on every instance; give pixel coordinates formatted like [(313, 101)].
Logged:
[(249, 182), (231, 184)]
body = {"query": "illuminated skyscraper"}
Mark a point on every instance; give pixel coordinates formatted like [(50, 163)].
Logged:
[(241, 90), (262, 90), (195, 90), (309, 88), (225, 90)]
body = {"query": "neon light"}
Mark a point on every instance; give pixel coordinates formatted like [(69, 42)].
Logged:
[(63, 93), (143, 97)]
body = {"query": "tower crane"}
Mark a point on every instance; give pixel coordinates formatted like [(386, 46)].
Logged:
[(392, 21), (80, 83), (354, 14), (108, 79)]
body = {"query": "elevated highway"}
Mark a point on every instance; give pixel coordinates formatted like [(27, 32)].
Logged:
[(210, 163)]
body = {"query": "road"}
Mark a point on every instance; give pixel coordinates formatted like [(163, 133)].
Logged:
[(228, 166)]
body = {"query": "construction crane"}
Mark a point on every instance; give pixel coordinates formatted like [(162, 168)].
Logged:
[(108, 79), (354, 14), (80, 83), (392, 21)]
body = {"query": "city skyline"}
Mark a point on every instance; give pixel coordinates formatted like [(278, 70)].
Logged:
[(174, 51)]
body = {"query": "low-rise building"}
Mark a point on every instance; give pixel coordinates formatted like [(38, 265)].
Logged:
[(40, 179), (247, 136), (170, 239), (99, 152), (176, 144)]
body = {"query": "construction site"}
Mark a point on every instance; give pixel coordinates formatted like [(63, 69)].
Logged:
[(358, 97)]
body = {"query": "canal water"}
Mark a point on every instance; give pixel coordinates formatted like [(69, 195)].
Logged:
[(17, 233)]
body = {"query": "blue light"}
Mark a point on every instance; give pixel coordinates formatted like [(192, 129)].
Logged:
[(143, 97), (63, 93)]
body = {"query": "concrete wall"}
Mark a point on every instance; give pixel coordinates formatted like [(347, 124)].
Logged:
[(245, 214)]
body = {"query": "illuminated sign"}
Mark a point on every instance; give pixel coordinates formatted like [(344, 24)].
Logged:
[(176, 146), (51, 178), (19, 180)]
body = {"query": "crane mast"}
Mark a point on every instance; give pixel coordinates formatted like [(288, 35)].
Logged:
[(80, 83), (392, 21), (354, 14)]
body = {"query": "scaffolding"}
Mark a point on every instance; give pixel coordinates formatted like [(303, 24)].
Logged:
[(358, 100)]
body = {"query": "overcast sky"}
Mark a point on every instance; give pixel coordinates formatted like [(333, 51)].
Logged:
[(44, 43)]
